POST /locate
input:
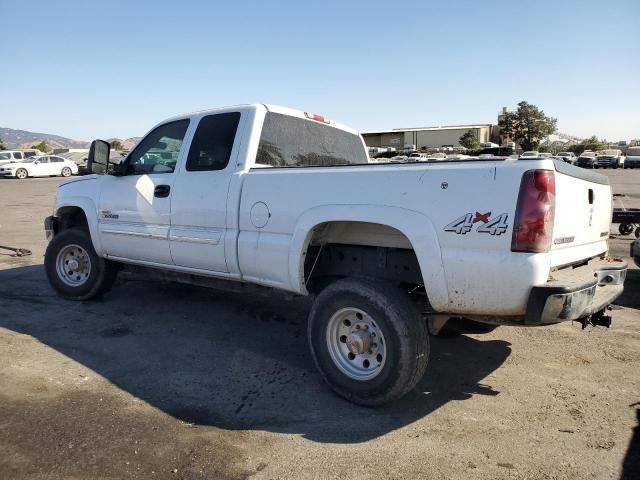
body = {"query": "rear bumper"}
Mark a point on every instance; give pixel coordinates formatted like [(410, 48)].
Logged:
[(576, 294)]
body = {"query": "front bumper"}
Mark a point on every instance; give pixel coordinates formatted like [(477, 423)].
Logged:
[(50, 227), (576, 293)]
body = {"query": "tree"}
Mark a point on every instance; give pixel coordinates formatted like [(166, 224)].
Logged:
[(116, 145), (527, 126), (2, 147), (469, 140), (591, 143), (43, 147)]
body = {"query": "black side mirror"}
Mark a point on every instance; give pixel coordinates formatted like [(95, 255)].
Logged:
[(98, 159)]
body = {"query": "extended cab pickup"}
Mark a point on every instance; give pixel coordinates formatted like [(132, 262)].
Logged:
[(284, 199)]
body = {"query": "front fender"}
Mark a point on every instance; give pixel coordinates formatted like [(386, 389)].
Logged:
[(88, 206), (414, 225)]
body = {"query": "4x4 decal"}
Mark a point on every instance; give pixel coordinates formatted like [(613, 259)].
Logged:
[(463, 225)]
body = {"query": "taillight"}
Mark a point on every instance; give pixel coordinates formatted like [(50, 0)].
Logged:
[(316, 117), (533, 226)]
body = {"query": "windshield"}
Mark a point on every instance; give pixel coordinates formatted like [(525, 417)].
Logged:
[(530, 154), (28, 160), (588, 155), (564, 154), (608, 153)]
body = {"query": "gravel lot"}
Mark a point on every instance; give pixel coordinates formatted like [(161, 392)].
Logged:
[(164, 381)]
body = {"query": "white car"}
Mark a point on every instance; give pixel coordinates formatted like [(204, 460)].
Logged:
[(271, 196), (44, 166), (568, 157), (530, 154)]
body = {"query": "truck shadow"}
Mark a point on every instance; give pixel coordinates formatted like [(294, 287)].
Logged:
[(228, 360)]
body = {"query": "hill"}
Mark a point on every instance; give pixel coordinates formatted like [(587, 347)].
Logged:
[(24, 139)]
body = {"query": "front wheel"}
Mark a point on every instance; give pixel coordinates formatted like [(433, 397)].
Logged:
[(368, 340), (74, 269), (66, 172), (21, 174)]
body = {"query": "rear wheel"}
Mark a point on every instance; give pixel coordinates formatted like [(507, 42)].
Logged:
[(21, 173), (74, 269), (625, 229), (66, 172), (368, 340)]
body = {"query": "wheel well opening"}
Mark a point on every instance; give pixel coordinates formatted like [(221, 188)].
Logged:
[(360, 249), (71, 217)]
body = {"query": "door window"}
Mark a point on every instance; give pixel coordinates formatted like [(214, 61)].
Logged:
[(17, 155), (158, 152), (212, 142), (56, 159)]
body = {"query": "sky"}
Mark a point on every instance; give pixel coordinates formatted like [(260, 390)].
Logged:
[(89, 69)]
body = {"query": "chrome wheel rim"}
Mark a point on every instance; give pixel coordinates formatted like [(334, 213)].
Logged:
[(21, 173), (73, 265), (356, 344), (66, 172)]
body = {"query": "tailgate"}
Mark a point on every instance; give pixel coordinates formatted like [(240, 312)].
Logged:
[(584, 205)]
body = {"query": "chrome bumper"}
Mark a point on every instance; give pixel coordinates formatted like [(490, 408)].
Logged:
[(577, 293)]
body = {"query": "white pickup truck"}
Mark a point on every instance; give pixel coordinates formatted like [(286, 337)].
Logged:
[(271, 196)]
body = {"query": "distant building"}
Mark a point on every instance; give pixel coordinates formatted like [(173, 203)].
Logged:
[(427, 137)]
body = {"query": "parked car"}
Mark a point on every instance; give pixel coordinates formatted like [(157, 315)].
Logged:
[(586, 159), (632, 159), (46, 165), (377, 245), (530, 154), (10, 156), (568, 157), (609, 158)]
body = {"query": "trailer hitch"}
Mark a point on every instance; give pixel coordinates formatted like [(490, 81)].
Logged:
[(18, 252), (598, 319)]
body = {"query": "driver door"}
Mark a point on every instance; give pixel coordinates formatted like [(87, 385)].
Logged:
[(134, 208)]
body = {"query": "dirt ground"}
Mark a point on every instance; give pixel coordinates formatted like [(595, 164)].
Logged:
[(166, 381)]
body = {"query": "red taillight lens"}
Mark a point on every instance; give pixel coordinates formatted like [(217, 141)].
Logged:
[(533, 226)]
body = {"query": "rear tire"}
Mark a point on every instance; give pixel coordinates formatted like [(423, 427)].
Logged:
[(74, 269), (393, 338), (625, 229), (66, 172)]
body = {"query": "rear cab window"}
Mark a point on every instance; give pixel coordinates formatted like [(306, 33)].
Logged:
[(288, 141)]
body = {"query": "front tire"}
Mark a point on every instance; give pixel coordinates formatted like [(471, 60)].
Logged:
[(21, 174), (66, 172), (368, 341), (74, 269)]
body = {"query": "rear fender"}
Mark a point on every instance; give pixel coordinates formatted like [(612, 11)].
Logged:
[(415, 226)]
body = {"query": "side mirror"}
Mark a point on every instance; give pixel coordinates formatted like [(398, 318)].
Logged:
[(98, 159)]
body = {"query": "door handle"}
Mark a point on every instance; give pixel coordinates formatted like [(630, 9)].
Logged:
[(161, 191)]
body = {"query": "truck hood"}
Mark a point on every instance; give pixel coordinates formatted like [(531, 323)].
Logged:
[(75, 180)]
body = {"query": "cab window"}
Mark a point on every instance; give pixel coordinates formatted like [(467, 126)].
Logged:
[(17, 155), (158, 152), (213, 141)]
